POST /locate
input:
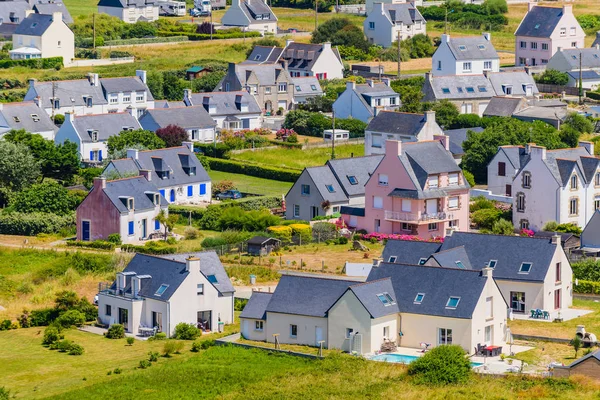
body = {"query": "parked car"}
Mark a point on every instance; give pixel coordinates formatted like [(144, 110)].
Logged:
[(229, 194)]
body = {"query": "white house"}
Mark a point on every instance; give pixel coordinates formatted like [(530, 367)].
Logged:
[(251, 15), (364, 101), (579, 64), (26, 115), (130, 11), (130, 94), (405, 127), (556, 185), (175, 171), (159, 293), (230, 110), (465, 56), (91, 132), (503, 167), (386, 22), (196, 121), (43, 36)]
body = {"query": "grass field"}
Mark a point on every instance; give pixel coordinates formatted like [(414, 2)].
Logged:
[(250, 184), (297, 158)]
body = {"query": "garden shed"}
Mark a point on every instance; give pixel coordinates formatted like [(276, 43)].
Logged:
[(262, 246)]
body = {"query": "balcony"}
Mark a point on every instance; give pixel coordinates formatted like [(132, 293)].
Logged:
[(105, 288), (398, 216)]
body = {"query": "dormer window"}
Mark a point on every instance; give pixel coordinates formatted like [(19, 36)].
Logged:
[(419, 298), (94, 136), (525, 268), (35, 117), (453, 302), (507, 89), (130, 204), (574, 182), (527, 180), (88, 101), (156, 199), (56, 103)]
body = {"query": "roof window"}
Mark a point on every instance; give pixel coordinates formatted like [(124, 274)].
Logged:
[(35, 117), (492, 263), (422, 261), (16, 119), (453, 302), (481, 47), (482, 89), (298, 89), (353, 180), (574, 57), (257, 57), (386, 299), (460, 265), (462, 47), (446, 90), (212, 279), (419, 298), (537, 26), (525, 268), (392, 259), (470, 89), (161, 289), (460, 90), (330, 188), (313, 87)]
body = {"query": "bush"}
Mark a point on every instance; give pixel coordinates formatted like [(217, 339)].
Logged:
[(116, 331), (5, 325), (303, 231), (442, 365), (43, 316), (238, 167), (469, 177), (51, 335), (153, 356), (503, 227), (486, 218), (71, 318), (114, 238), (211, 242), (191, 233), (75, 349), (150, 248), (37, 63), (63, 346), (135, 41), (96, 244), (553, 226), (587, 269), (144, 364), (208, 343), (196, 346), (480, 202), (324, 231), (171, 347), (552, 77), (342, 240), (283, 233), (587, 287), (251, 221), (31, 224), (159, 336), (185, 331), (130, 341)]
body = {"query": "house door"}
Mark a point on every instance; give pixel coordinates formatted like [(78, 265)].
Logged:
[(557, 299), (144, 228), (517, 302), (245, 331), (123, 317), (318, 335), (268, 106), (431, 208), (377, 226), (509, 190), (314, 212), (157, 320), (85, 231), (172, 196), (533, 61), (205, 320)]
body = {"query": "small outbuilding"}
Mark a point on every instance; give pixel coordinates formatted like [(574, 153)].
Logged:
[(588, 365), (262, 246), (196, 72)]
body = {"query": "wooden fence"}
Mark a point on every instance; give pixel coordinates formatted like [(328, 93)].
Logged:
[(547, 88)]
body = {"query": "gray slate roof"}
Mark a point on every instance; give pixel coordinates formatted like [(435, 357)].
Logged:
[(66, 91), (509, 251), (323, 176), (472, 48), (106, 125), (304, 55), (449, 258), (126, 3), (49, 8), (367, 294), (173, 158), (597, 40), (585, 75), (562, 162), (590, 58), (22, 112), (397, 122), (410, 280), (125, 84), (267, 74), (540, 22), (225, 102), (359, 167), (185, 117), (256, 306), (517, 79), (458, 87), (405, 13), (210, 264), (14, 9), (264, 55), (305, 85), (408, 251), (378, 89), (307, 296), (34, 25), (252, 8), (457, 138), (500, 106), (138, 188), (517, 155), (161, 271)]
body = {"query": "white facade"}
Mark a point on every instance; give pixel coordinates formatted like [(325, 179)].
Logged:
[(131, 14), (382, 31), (500, 174), (238, 16), (140, 219), (351, 104), (133, 102), (310, 330), (444, 61)]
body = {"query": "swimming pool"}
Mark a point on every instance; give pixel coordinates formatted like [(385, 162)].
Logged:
[(406, 359)]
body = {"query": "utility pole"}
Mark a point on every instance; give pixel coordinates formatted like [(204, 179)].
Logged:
[(316, 14), (333, 137), (580, 81), (53, 99), (211, 24), (399, 55), (94, 29)]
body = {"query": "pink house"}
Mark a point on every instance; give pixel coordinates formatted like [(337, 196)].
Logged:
[(417, 189), (543, 31)]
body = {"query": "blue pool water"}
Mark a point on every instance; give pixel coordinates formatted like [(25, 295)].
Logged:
[(405, 359)]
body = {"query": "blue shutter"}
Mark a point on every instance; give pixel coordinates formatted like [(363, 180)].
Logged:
[(162, 193), (99, 155), (91, 156), (131, 228), (156, 225), (190, 191), (202, 188)]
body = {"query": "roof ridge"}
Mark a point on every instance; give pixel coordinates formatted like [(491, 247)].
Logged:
[(164, 148), (327, 277), (447, 250), (122, 179), (102, 114), (496, 234), (157, 257), (369, 282), (434, 267)]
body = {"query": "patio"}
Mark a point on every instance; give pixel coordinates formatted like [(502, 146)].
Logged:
[(566, 315), (96, 330)]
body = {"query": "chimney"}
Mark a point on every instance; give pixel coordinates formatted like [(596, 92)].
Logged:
[(140, 73), (589, 146), (189, 145), (370, 82), (146, 173), (187, 97), (231, 68), (326, 46), (567, 9), (556, 239), (132, 153), (377, 262), (69, 117), (393, 148), (380, 8), (120, 281), (487, 271), (443, 140), (28, 13), (428, 76), (559, 49), (350, 85), (57, 16), (290, 41), (36, 100), (487, 36), (100, 182), (386, 81), (536, 151), (445, 38), (192, 264), (531, 5), (430, 116), (32, 82), (93, 78)]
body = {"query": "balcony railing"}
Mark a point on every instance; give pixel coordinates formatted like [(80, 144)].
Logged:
[(105, 287), (415, 218)]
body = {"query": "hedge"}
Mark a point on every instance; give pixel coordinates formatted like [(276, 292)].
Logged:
[(587, 287), (286, 144), (283, 233), (237, 167), (206, 36), (165, 39), (184, 211), (149, 248), (97, 244), (593, 95), (31, 224), (34, 63)]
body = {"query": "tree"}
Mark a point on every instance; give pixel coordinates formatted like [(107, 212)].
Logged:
[(172, 135), (569, 136), (173, 85), (445, 113), (18, 167), (503, 227), (167, 221), (340, 32), (60, 162), (492, 7), (580, 123), (552, 77), (466, 121), (205, 28), (208, 82), (576, 342), (139, 137), (46, 197)]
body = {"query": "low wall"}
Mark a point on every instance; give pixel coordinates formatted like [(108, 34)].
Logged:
[(540, 338), (488, 195), (101, 61), (230, 340)]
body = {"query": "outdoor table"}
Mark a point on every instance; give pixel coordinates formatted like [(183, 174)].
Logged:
[(492, 351)]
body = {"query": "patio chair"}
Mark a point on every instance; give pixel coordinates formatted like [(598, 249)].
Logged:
[(539, 313), (546, 314), (532, 313)]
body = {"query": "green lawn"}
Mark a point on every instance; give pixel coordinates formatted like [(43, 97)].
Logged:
[(250, 184), (297, 158), (81, 7)]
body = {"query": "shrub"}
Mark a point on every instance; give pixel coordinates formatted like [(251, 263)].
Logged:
[(267, 172), (31, 224), (51, 335), (43, 316), (150, 248), (342, 240), (479, 203), (587, 269), (96, 244), (5, 325), (159, 336), (64, 345), (208, 343), (196, 346), (144, 364), (117, 371), (588, 287), (441, 366), (283, 233), (114, 238), (469, 177), (71, 318), (191, 233), (153, 356), (303, 231), (116, 331), (171, 347), (75, 349), (130, 341), (37, 63), (324, 231), (185, 331), (251, 221), (503, 227), (486, 218)]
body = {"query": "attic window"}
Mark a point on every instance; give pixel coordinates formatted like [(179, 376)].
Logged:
[(452, 302), (446, 90), (298, 89), (492, 263), (422, 261), (537, 26), (525, 268), (481, 47), (156, 199), (419, 298), (462, 47), (16, 119), (460, 90), (94, 135), (314, 87), (34, 25), (482, 89), (330, 188), (161, 289), (574, 57), (460, 265), (212, 279), (386, 299), (35, 117), (353, 180), (257, 57), (392, 259), (470, 89)]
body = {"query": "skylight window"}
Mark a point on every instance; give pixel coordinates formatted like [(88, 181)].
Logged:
[(460, 265), (452, 302), (353, 180), (595, 55), (462, 47), (419, 298), (161, 289), (537, 26), (422, 261), (460, 90), (574, 57), (386, 299), (298, 89), (446, 90), (313, 87), (470, 89), (257, 57), (525, 268), (35, 117), (492, 263), (16, 119), (34, 25), (330, 188), (481, 47), (482, 89), (392, 259), (212, 279)]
